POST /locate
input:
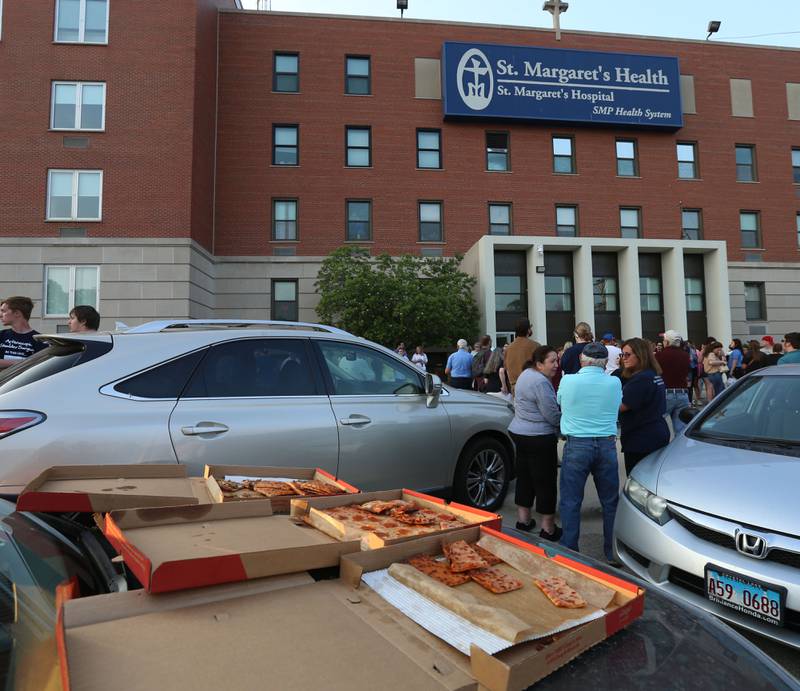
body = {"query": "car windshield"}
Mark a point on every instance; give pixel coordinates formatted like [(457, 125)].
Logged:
[(761, 411), (34, 559)]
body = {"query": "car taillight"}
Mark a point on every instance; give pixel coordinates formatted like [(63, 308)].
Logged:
[(16, 420)]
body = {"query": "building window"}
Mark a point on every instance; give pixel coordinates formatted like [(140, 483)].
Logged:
[(284, 219), (430, 222), (695, 300), (691, 224), (78, 106), (605, 294), (285, 147), (749, 226), (357, 77), (67, 286), (563, 155), (558, 293), (359, 219), (499, 219), (627, 160), (796, 166), (509, 294), (567, 221), (358, 154), (754, 308), (284, 300), (74, 195), (687, 160), (497, 151), (746, 163), (797, 223), (650, 293), (630, 223), (81, 21), (286, 72), (429, 149)]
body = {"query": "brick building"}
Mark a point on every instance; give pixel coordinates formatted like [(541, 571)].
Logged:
[(200, 160)]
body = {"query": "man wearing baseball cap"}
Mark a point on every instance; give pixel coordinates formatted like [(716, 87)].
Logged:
[(614, 352), (767, 343), (589, 403), (675, 362)]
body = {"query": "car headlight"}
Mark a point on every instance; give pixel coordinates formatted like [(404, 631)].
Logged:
[(651, 505)]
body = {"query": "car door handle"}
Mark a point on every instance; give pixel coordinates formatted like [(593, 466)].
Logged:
[(208, 428), (355, 420)]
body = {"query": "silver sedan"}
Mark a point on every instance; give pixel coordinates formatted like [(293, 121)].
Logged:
[(715, 516)]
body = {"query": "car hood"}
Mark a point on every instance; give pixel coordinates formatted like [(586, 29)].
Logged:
[(742, 485)]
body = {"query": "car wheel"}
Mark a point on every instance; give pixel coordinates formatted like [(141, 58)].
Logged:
[(483, 473)]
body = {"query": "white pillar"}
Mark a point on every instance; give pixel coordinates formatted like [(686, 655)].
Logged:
[(583, 285), (486, 287), (674, 290), (630, 308), (718, 302), (537, 310)]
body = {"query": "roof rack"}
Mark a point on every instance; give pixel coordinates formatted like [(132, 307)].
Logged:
[(167, 325)]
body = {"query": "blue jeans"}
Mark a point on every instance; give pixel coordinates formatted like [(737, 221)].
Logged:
[(717, 383), (677, 400), (584, 455)]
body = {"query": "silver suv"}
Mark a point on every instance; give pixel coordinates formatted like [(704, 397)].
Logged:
[(246, 392)]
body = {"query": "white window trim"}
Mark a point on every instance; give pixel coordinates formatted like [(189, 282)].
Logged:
[(74, 208), (78, 106), (81, 25), (1, 20), (71, 289)]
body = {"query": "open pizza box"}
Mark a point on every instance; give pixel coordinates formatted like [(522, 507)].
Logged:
[(312, 511), (274, 633), (99, 488), (472, 620), (174, 548), (280, 504)]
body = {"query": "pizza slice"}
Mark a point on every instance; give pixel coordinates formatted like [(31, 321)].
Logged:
[(438, 570), (488, 557), (495, 580), (420, 517), (270, 488), (316, 488), (560, 593), (462, 557)]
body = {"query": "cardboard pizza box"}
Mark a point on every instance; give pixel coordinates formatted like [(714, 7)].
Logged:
[(305, 637), (525, 663), (174, 548), (310, 509), (279, 504), (99, 488)]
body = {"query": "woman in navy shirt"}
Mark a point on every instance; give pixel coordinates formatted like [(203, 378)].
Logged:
[(644, 403)]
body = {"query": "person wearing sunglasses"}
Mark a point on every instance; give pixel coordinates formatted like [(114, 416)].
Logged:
[(644, 403)]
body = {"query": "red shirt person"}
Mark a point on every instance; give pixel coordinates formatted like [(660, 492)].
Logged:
[(675, 363)]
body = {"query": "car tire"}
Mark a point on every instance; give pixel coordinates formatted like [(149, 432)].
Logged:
[(483, 473)]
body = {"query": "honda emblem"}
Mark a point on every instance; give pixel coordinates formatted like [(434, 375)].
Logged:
[(752, 545)]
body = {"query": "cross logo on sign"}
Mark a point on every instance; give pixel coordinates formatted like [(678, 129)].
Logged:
[(480, 85)]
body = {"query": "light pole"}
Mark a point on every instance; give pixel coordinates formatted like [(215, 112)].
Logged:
[(556, 7)]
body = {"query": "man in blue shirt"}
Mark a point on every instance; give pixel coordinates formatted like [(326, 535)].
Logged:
[(459, 366), (589, 403), (791, 349)]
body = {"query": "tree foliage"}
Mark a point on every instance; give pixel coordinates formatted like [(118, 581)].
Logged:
[(417, 300)]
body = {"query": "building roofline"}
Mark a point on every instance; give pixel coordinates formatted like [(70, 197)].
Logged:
[(512, 27)]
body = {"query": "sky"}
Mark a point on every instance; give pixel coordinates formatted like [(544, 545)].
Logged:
[(775, 23)]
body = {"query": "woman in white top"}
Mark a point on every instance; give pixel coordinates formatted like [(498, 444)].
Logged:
[(420, 359)]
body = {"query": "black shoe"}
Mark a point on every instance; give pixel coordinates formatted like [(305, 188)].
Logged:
[(555, 536), (526, 527), (616, 564)]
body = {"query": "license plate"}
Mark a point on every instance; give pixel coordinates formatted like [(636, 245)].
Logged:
[(747, 595)]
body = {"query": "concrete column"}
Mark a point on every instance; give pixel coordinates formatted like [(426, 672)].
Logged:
[(537, 311), (583, 286), (486, 279), (630, 308), (674, 290), (718, 302)]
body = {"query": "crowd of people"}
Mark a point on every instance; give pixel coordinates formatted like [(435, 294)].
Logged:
[(589, 393)]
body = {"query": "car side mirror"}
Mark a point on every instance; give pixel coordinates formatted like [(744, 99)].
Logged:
[(688, 414), (433, 389)]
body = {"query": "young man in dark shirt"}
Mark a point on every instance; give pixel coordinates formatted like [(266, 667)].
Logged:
[(17, 342), (675, 363)]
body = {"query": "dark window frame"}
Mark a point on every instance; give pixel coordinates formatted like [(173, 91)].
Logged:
[(757, 230), (701, 294), (438, 149), (275, 128), (639, 219), (605, 295), (510, 224), (273, 301), (576, 226), (795, 168), (761, 303), (635, 159), (296, 201), (499, 151), (695, 160), (699, 213), (440, 204), (348, 221), (347, 147), (276, 74), (753, 166), (573, 163), (358, 77), (659, 294)]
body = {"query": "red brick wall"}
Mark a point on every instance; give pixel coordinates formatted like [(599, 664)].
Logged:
[(246, 181)]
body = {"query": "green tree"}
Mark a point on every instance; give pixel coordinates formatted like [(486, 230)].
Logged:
[(391, 299)]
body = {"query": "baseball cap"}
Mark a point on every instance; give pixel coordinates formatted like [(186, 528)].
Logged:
[(608, 336), (461, 343), (768, 339), (597, 351), (672, 336)]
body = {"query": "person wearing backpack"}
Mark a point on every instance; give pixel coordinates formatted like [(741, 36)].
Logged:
[(480, 359)]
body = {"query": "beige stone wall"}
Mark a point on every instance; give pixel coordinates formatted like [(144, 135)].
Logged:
[(782, 296)]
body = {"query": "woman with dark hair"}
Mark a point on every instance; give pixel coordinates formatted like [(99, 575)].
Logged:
[(491, 373), (644, 403), (755, 358), (535, 430), (714, 366), (735, 358)]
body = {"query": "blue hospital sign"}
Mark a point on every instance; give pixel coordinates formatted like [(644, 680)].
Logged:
[(492, 81)]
